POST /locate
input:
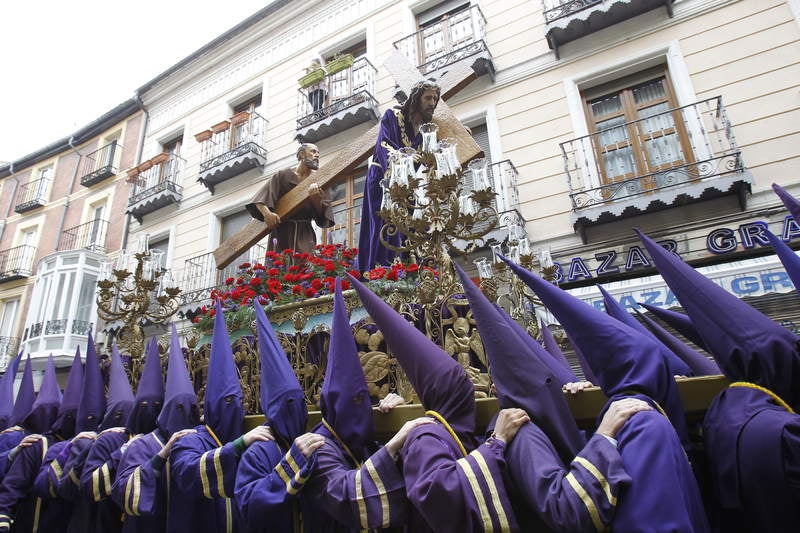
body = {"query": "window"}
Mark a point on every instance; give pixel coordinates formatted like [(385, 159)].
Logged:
[(232, 224), (45, 176), (250, 105), (97, 227), (8, 317), (246, 129), (161, 244), (346, 199), (635, 130), (445, 28), (109, 155), (28, 251), (170, 167)]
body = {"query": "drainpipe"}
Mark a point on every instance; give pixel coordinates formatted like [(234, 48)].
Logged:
[(138, 99)]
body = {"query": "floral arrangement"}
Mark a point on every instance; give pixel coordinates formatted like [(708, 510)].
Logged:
[(288, 276)]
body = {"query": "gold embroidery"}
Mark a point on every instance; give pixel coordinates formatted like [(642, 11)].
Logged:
[(587, 501), (218, 468), (362, 505), (204, 476), (497, 503), (137, 488), (96, 484), (106, 478), (476, 491), (376, 479), (599, 477)]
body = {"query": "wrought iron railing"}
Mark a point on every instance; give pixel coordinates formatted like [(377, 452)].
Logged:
[(32, 195), (17, 262), (451, 39), (242, 133), (100, 164), (200, 273), (156, 175), (344, 89), (672, 148), (91, 236), (8, 350), (59, 326), (557, 9)]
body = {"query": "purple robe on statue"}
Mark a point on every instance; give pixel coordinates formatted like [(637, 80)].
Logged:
[(370, 249), (140, 486), (99, 471)]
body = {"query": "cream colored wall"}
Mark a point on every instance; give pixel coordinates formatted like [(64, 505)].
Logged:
[(748, 51)]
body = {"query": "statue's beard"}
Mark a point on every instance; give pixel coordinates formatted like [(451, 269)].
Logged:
[(427, 115), (313, 164)]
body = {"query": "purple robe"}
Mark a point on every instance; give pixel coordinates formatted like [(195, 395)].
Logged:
[(140, 487), (9, 439), (267, 484), (581, 496), (202, 478), (370, 249), (18, 499), (69, 484), (450, 492), (293, 232), (99, 471), (353, 497), (755, 446), (663, 495)]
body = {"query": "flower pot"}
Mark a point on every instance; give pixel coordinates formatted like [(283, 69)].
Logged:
[(315, 76), (222, 126), (340, 63), (160, 158), (203, 136), (241, 116)]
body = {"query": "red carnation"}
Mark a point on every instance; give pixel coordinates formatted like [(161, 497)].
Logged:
[(316, 283), (413, 267), (297, 289), (376, 273), (345, 284), (229, 281), (254, 282), (310, 292)]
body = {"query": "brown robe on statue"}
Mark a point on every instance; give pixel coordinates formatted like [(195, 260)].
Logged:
[(295, 232)]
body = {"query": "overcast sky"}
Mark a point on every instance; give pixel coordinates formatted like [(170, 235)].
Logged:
[(66, 63)]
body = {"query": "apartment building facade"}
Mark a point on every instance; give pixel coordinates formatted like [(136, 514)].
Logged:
[(62, 214)]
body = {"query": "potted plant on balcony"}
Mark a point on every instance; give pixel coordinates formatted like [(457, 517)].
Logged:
[(312, 76), (339, 63)]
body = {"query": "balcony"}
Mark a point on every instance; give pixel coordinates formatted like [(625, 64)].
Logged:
[(200, 276), (32, 195), (8, 350), (503, 177), (17, 262), (679, 156), (349, 102), (100, 164), (567, 20), (232, 147), (459, 37), (155, 184), (89, 236)]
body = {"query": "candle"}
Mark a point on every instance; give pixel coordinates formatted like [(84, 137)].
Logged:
[(428, 131)]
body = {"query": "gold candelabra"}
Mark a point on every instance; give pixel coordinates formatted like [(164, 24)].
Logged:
[(424, 201), (136, 291)]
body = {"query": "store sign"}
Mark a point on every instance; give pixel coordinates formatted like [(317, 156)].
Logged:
[(718, 241)]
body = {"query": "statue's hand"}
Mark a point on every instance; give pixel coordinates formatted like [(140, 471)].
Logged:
[(314, 191)]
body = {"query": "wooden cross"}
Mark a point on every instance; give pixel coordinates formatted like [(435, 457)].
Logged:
[(348, 159)]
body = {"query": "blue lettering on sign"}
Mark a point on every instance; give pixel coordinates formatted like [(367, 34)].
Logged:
[(791, 229), (744, 285), (651, 298), (721, 241), (628, 302), (773, 281), (752, 233), (636, 258), (670, 300), (606, 262), (599, 305), (578, 269), (558, 276), (670, 246)]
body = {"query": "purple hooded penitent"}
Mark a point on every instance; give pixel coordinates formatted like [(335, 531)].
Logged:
[(344, 399), (561, 373), (120, 396), (676, 366), (549, 343), (699, 363), (45, 408), (282, 398), (7, 392), (522, 377), (223, 410), (679, 322), (71, 400), (788, 200), (751, 439), (25, 396), (440, 382), (180, 401), (149, 394), (624, 360), (788, 258), (747, 345), (93, 398)]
